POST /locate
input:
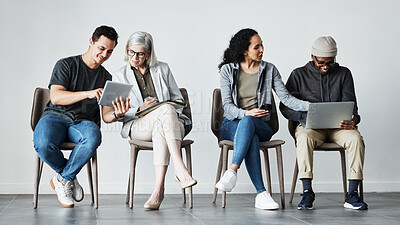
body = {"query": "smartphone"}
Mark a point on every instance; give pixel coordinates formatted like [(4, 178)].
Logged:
[(266, 107)]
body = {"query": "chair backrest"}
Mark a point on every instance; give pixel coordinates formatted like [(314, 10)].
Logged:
[(186, 111), (40, 99), (217, 114)]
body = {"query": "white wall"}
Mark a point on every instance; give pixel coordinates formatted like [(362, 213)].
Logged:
[(191, 37)]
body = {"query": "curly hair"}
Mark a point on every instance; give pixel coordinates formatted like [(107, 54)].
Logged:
[(238, 44)]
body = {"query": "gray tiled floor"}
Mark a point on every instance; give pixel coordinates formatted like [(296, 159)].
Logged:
[(384, 208)]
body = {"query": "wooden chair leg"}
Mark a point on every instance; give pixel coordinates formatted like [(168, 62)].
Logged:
[(189, 167), (183, 189), (294, 180), (218, 176), (127, 191), (224, 168), (267, 170), (95, 180), (90, 179), (344, 176), (38, 170), (280, 174), (134, 154)]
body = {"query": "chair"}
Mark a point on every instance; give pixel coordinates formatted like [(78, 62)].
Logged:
[(40, 99), (327, 147), (136, 146), (217, 117)]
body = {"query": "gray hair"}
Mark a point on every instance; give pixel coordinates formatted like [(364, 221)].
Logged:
[(146, 40)]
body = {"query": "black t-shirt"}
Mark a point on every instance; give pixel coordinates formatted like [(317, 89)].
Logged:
[(73, 74)]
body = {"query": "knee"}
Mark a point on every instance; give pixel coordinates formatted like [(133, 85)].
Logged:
[(247, 121), (92, 140), (355, 139), (303, 137), (167, 108), (43, 143)]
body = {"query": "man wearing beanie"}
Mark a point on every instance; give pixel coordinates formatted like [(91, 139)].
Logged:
[(324, 80)]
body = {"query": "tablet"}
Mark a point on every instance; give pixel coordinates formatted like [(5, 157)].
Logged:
[(327, 115), (114, 90), (175, 104)]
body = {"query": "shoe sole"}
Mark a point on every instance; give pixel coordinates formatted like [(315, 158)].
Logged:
[(306, 208), (267, 208), (151, 206), (349, 206), (222, 188), (186, 184), (54, 188)]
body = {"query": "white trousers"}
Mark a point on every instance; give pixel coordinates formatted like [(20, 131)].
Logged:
[(159, 126)]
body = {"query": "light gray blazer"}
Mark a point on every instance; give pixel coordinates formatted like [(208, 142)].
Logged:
[(165, 87)]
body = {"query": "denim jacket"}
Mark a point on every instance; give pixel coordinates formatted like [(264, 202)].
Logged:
[(268, 79)]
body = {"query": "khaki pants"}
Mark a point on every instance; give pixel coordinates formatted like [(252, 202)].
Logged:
[(351, 140), (159, 126)]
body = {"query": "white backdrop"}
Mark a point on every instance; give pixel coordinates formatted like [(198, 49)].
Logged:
[(191, 37)]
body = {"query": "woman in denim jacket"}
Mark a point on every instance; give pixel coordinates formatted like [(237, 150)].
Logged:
[(246, 87)]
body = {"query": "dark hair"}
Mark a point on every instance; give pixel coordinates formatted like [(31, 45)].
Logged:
[(238, 44), (107, 31)]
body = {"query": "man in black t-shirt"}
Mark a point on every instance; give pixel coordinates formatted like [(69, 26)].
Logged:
[(72, 114)]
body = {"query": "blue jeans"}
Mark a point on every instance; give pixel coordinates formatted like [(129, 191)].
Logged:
[(51, 131), (246, 134)]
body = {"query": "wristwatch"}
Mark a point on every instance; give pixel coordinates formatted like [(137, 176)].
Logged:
[(118, 118)]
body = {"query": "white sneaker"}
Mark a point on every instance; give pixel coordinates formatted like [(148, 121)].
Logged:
[(64, 193), (77, 191), (228, 181), (265, 201)]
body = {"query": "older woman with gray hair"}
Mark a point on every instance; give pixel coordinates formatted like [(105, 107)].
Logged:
[(152, 82)]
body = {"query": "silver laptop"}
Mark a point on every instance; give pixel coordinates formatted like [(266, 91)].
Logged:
[(114, 90), (327, 115)]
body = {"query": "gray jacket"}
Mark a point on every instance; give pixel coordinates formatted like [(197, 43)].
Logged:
[(164, 84), (268, 79)]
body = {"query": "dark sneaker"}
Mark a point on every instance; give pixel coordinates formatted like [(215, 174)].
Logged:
[(353, 201), (307, 202)]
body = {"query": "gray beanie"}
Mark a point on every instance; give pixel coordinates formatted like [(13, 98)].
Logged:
[(324, 47)]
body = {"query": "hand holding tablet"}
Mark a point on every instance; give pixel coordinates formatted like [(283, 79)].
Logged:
[(113, 90)]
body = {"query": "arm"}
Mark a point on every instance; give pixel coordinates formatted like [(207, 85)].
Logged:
[(283, 94), (227, 102), (173, 88), (292, 88), (60, 96), (348, 94), (60, 90), (123, 109), (117, 112)]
